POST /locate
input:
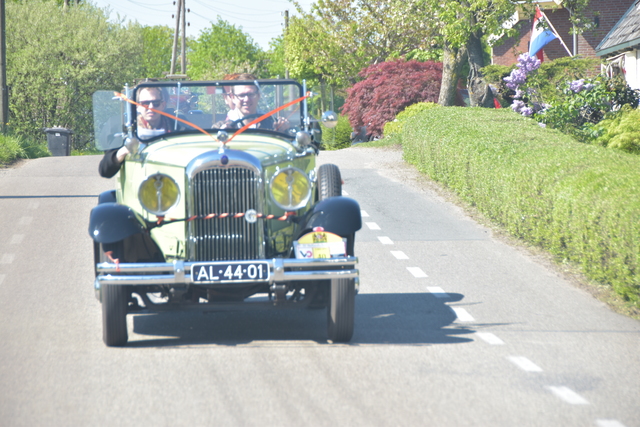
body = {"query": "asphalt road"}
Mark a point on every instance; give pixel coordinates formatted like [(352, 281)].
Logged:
[(453, 326)]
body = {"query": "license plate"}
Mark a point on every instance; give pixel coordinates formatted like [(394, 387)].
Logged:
[(213, 272)]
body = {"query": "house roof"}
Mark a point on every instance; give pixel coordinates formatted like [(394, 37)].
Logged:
[(625, 34)]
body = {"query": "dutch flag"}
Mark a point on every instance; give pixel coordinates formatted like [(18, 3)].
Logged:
[(540, 35)]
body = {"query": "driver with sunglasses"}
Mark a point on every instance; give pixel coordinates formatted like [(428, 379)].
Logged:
[(150, 124)]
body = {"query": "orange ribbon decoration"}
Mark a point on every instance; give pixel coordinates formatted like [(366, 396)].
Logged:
[(188, 123), (238, 132), (264, 116)]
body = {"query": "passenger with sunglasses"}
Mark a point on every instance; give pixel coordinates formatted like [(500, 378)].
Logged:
[(150, 124)]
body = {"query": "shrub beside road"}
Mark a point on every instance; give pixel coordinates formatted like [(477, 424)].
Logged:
[(579, 202)]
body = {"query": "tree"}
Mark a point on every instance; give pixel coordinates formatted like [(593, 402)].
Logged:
[(224, 48), (56, 60), (387, 89), (339, 38), (462, 26), (157, 45)]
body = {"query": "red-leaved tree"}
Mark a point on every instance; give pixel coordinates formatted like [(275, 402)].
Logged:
[(387, 89)]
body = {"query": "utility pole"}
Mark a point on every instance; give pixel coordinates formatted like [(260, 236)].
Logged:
[(184, 37), (180, 19), (286, 27), (4, 90)]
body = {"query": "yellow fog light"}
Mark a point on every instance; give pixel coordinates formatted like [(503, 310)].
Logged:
[(290, 189), (158, 193)]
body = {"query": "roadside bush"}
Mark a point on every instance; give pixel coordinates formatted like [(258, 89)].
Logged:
[(15, 147), (622, 131), (395, 127), (337, 137), (387, 88), (579, 202)]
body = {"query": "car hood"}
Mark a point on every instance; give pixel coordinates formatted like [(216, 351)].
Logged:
[(180, 150)]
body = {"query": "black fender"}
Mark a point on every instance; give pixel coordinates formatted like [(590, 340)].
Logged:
[(339, 215), (107, 197), (112, 222)]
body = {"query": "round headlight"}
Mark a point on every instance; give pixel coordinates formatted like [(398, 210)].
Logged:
[(290, 189), (158, 193)]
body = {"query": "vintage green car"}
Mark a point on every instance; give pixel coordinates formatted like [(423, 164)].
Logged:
[(222, 207)]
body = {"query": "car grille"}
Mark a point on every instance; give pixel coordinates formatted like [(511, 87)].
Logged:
[(230, 191)]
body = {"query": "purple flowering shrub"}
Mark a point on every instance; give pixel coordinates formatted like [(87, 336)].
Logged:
[(575, 107)]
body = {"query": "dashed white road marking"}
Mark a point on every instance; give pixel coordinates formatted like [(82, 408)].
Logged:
[(372, 226), (344, 193), (7, 258), (609, 423), (25, 220), (399, 255), (490, 338), (364, 214), (417, 272), (16, 239), (437, 292), (525, 364), (385, 240), (462, 314), (568, 395)]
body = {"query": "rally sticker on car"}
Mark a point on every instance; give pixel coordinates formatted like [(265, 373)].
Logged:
[(320, 244)]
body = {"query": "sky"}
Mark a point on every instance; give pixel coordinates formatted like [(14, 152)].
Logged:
[(261, 19)]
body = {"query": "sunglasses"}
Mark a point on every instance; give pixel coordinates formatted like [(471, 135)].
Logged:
[(151, 102), (250, 95)]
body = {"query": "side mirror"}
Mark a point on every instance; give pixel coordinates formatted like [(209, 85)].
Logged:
[(329, 119)]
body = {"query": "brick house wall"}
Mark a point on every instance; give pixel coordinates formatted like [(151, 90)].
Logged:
[(610, 12)]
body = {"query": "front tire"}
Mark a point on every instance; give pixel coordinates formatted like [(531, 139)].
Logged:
[(329, 181), (341, 310), (115, 300)]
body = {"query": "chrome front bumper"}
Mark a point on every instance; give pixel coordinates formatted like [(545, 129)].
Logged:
[(179, 272)]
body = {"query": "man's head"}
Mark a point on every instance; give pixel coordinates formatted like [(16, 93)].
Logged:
[(150, 97), (246, 99), (228, 95)]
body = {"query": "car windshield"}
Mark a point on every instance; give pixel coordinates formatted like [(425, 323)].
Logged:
[(160, 108)]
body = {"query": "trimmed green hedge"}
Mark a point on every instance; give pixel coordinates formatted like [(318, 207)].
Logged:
[(579, 202)]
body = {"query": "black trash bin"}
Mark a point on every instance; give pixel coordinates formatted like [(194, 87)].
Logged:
[(59, 141)]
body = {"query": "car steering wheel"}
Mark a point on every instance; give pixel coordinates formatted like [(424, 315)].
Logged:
[(237, 123)]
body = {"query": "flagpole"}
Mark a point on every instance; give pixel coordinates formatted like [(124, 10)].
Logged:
[(556, 33)]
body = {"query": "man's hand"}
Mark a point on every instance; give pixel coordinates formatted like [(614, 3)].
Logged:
[(122, 153)]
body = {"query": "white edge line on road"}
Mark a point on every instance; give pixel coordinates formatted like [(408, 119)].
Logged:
[(372, 226), (16, 239), (399, 255), (385, 240), (364, 214), (25, 220), (462, 315), (609, 423), (568, 395), (490, 338), (417, 272), (437, 292), (7, 258), (525, 364)]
